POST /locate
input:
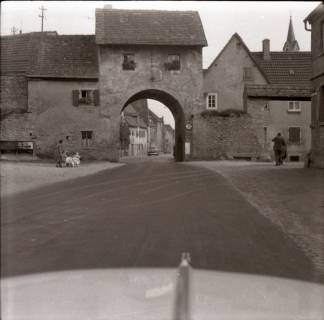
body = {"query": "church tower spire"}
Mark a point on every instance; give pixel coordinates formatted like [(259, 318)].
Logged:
[(291, 43)]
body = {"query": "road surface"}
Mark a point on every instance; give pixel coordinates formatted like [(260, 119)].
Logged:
[(144, 214)]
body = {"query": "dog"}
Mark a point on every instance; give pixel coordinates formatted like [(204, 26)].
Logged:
[(73, 161)]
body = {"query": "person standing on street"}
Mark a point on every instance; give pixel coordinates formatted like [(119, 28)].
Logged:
[(279, 147), (58, 155)]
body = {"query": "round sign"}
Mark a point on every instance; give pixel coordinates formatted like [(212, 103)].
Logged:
[(188, 126)]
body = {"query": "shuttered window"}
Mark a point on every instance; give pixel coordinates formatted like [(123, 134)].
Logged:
[(294, 135), (85, 97)]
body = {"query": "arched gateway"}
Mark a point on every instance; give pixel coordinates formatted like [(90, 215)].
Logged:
[(151, 55), (176, 110)]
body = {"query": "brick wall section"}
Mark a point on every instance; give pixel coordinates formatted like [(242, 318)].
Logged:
[(225, 138)]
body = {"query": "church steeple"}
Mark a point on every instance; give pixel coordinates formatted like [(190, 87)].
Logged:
[(291, 43)]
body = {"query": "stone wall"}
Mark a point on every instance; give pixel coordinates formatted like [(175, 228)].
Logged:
[(181, 91), (317, 126), (17, 123), (13, 94), (57, 118), (318, 97), (218, 137)]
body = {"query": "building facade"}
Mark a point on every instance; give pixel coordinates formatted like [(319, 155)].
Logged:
[(316, 20), (265, 92), (138, 132), (168, 141), (75, 87)]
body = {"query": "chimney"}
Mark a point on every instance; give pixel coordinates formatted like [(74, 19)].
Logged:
[(266, 49), (107, 6)]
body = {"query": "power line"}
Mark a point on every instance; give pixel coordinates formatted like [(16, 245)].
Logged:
[(42, 16)]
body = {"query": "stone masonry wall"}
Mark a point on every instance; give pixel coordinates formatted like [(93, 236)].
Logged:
[(57, 118), (184, 86), (225, 138)]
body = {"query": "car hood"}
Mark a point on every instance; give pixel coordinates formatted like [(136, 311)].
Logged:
[(150, 294)]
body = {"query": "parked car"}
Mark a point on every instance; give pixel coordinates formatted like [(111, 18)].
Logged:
[(153, 152)]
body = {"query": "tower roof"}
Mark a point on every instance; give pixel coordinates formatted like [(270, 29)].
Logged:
[(291, 43)]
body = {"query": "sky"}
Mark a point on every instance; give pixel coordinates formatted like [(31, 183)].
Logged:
[(252, 20)]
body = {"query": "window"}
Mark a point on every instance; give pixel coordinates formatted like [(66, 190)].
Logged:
[(247, 74), (211, 101), (173, 62), (321, 105), (294, 135), (129, 61), (294, 106), (86, 138), (85, 97)]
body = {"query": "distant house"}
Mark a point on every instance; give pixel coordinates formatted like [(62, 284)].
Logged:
[(49, 91), (138, 132), (271, 90), (316, 19), (156, 134), (168, 141)]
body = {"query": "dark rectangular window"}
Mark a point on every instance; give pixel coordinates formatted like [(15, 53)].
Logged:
[(86, 138), (129, 61), (321, 104), (173, 62), (247, 74), (85, 97), (294, 135)]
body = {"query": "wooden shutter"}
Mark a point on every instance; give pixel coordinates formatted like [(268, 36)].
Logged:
[(75, 98), (96, 97)]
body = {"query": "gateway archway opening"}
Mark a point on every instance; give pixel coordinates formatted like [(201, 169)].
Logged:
[(169, 102)]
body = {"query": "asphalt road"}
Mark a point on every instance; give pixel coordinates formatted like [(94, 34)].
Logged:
[(144, 214)]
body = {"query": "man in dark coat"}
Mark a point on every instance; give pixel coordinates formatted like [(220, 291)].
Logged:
[(124, 137), (58, 154), (279, 147)]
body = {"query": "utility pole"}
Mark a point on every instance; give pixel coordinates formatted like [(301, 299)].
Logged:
[(42, 16), (14, 30)]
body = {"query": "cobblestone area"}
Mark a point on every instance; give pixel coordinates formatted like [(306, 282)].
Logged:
[(290, 196)]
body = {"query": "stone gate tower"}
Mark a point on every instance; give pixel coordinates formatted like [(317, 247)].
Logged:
[(151, 55)]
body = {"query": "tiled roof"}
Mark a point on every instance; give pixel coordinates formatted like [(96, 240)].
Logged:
[(17, 52), (154, 117), (51, 55), (279, 91), (287, 68), (149, 27), (317, 13), (133, 118)]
